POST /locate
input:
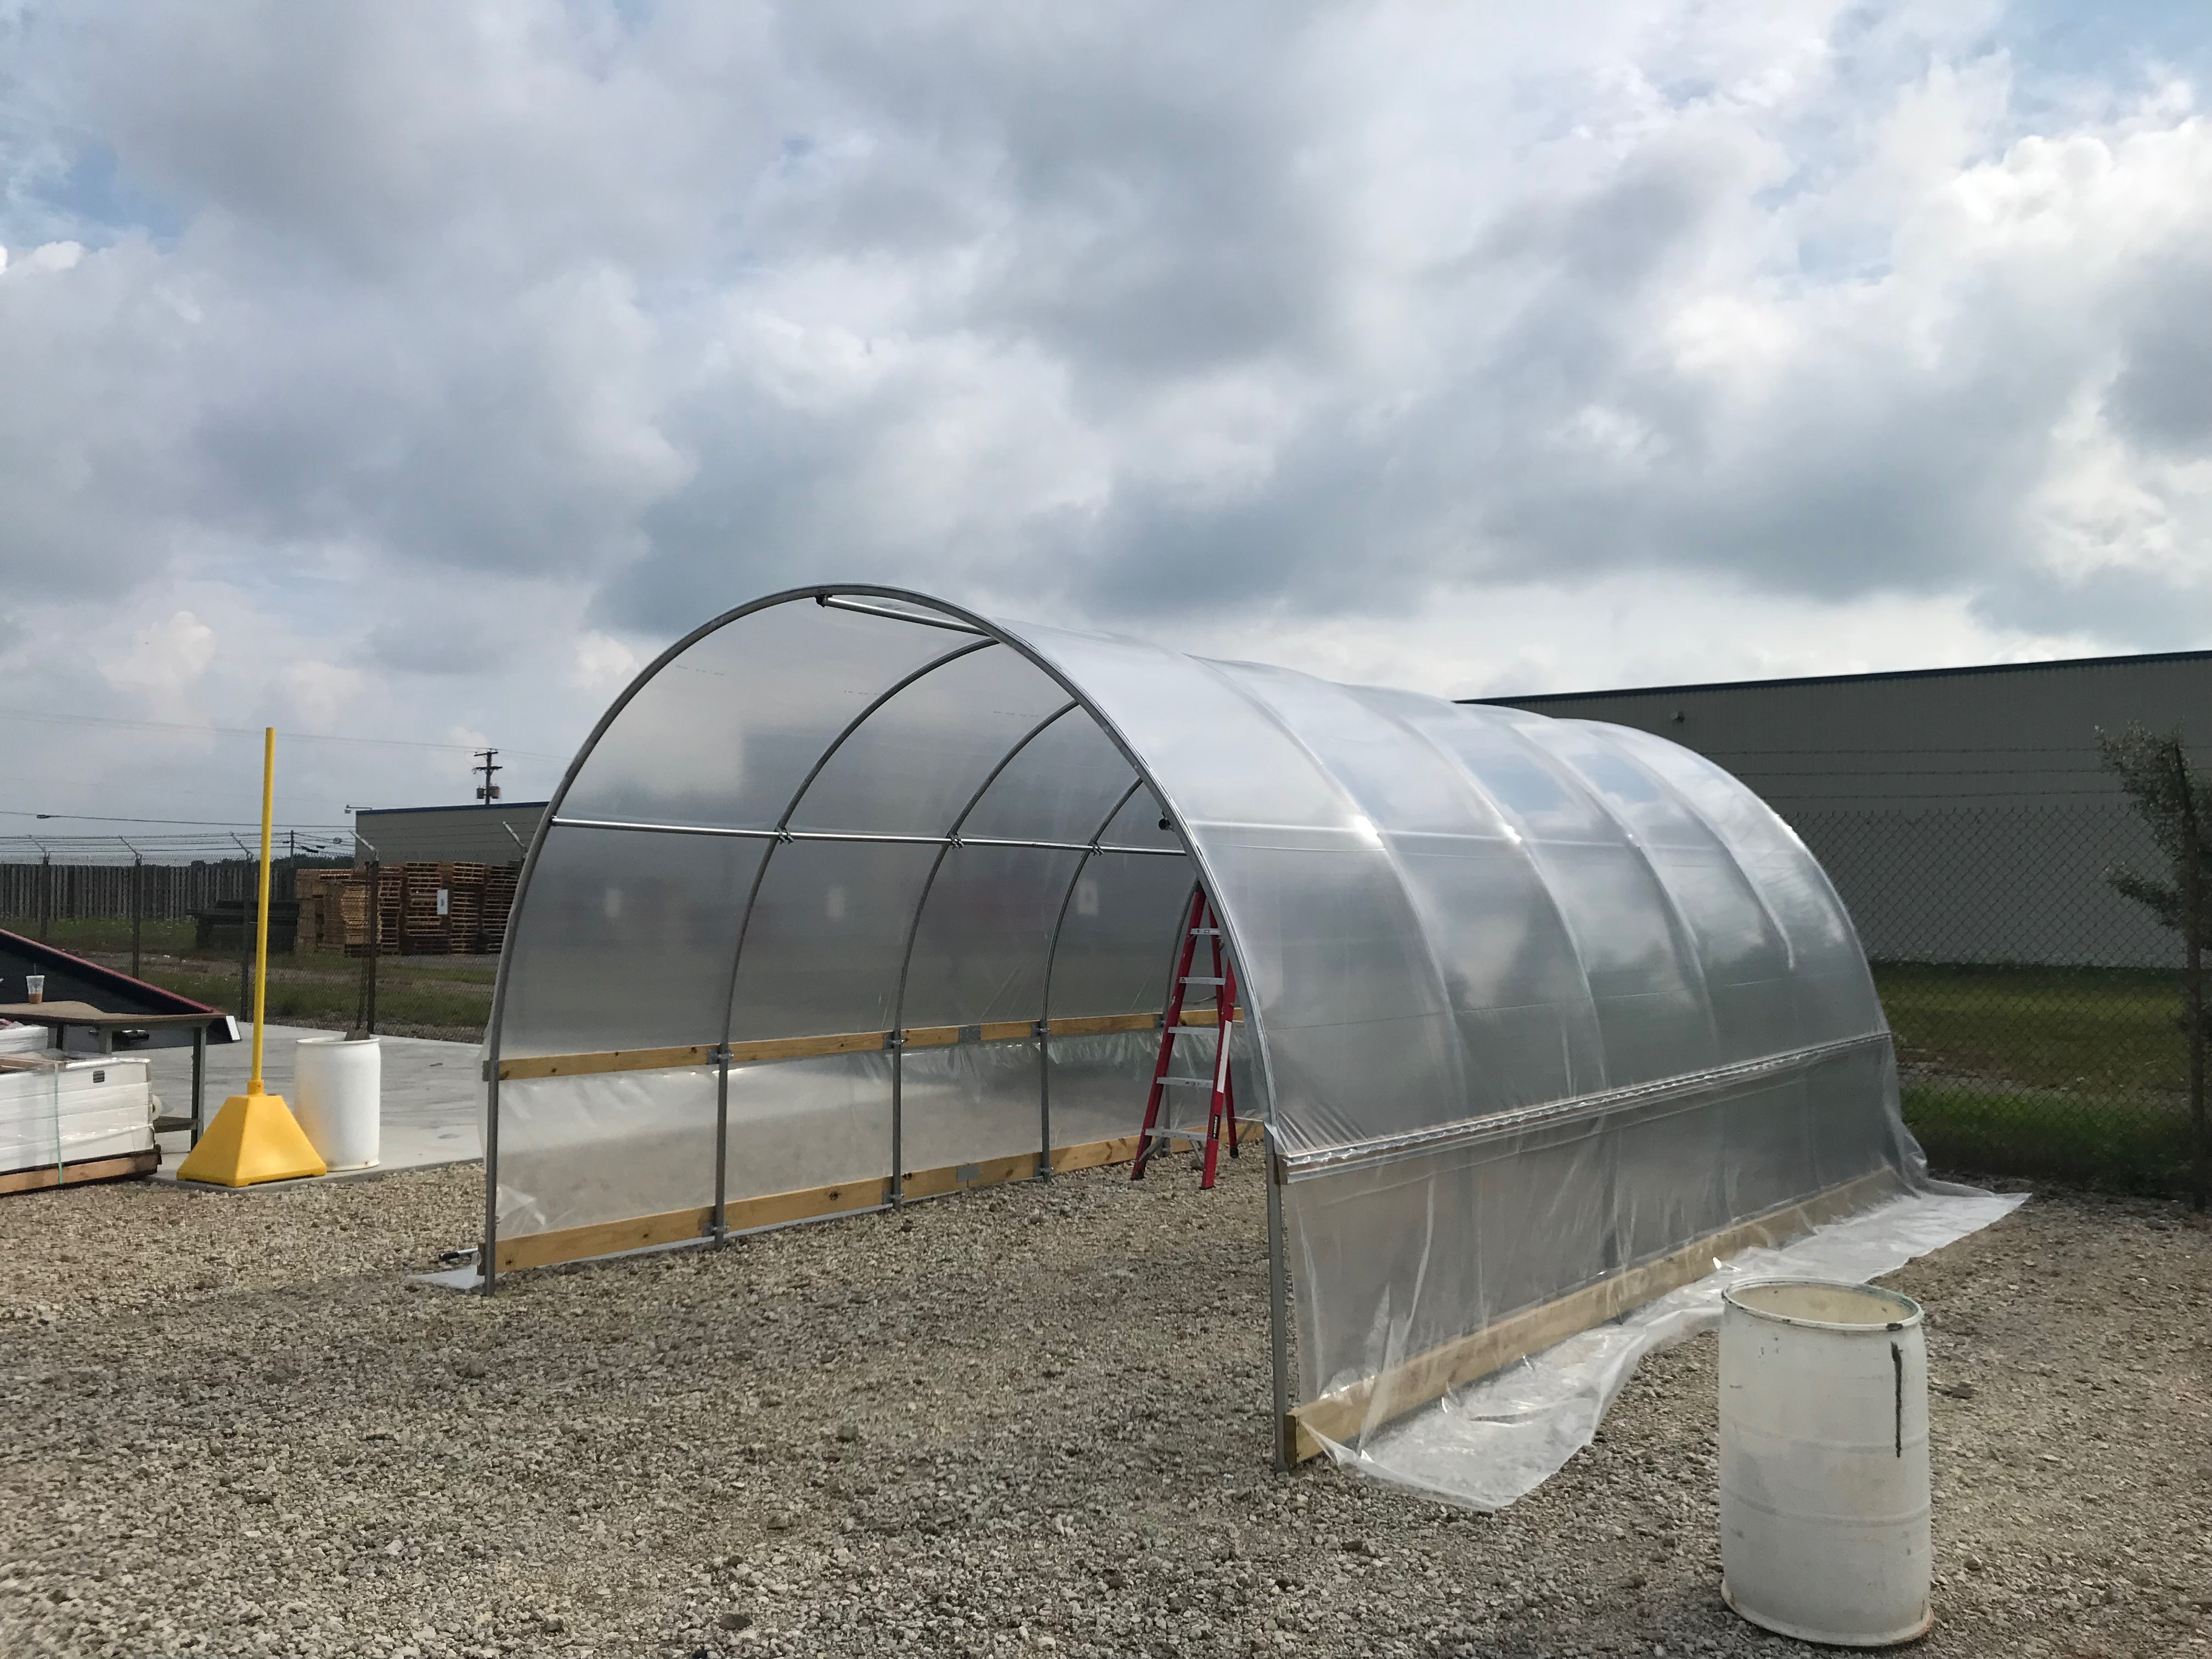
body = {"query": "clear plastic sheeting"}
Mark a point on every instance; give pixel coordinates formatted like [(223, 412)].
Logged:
[(1485, 1445), (576, 1151), (55, 1109), (881, 898)]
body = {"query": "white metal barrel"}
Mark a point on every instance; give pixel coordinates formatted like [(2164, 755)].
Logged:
[(1824, 1461), (337, 1087)]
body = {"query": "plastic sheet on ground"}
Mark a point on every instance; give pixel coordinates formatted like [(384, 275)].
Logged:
[(1495, 1440)]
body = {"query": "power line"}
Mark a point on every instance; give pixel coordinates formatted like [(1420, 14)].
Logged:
[(203, 823), (253, 732)]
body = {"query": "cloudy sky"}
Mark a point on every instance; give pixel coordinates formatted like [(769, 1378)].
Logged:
[(413, 371)]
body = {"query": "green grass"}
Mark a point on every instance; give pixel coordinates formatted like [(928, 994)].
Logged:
[(2073, 1074), (296, 998), (2097, 1030), (104, 934), (2123, 1145), (306, 988)]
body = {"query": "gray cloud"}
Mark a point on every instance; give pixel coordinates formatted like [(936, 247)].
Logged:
[(1130, 312), (2162, 395)]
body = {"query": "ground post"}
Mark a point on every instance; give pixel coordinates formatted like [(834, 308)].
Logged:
[(1279, 1305), (2192, 934), (199, 1082), (137, 911), (719, 1228)]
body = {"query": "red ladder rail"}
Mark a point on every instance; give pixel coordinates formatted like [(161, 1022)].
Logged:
[(1221, 1102)]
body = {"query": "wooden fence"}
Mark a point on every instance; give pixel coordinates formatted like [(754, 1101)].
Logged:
[(169, 892), (423, 908)]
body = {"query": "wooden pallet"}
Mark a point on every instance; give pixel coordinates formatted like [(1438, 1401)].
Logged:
[(120, 1167), (498, 900), (477, 900)]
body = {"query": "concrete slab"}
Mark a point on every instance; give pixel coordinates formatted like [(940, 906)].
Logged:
[(433, 1098)]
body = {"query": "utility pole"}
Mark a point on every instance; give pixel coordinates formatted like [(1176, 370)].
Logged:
[(487, 792)]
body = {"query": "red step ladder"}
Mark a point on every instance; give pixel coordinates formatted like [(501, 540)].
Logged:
[(1221, 1101)]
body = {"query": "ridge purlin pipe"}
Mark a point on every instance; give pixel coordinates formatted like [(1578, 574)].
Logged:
[(1051, 957), (718, 1226), (913, 932)]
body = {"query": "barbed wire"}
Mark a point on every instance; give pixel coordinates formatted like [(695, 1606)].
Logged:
[(172, 846)]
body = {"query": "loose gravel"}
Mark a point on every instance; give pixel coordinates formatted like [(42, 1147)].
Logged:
[(1026, 1421)]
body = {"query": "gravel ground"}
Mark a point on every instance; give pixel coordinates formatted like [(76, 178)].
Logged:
[(1032, 1420)]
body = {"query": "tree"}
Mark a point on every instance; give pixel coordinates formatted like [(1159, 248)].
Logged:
[(2175, 802)]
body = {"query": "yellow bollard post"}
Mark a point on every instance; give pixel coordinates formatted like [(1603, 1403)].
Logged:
[(255, 1138)]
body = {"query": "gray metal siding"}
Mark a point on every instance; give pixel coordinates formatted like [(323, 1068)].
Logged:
[(2012, 735), (449, 835), (1963, 815)]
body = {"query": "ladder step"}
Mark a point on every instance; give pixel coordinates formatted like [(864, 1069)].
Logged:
[(1193, 979), (1187, 1082), (1206, 933), (1178, 1030)]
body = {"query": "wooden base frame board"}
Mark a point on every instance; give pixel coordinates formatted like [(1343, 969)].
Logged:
[(843, 1043), (120, 1167), (807, 1204), (1342, 1415)]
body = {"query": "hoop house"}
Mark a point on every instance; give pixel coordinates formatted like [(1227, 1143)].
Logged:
[(856, 897)]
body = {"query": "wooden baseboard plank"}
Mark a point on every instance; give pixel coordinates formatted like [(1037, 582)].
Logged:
[(808, 1048), (959, 1177), (1102, 1024), (804, 1204), (1344, 1414), (601, 1064), (597, 1065), (120, 1167)]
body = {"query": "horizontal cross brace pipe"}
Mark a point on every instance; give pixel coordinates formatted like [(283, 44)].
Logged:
[(843, 1043), (831, 602), (1298, 1165), (862, 835)]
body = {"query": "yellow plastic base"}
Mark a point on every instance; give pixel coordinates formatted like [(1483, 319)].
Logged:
[(254, 1138)]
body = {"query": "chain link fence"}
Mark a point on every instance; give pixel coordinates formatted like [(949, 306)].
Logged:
[(2038, 1013)]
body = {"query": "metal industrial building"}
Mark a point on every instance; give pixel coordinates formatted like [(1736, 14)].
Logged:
[(1962, 812), (447, 834)]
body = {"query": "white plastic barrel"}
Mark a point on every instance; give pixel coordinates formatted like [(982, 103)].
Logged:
[(337, 1087), (1824, 1461)]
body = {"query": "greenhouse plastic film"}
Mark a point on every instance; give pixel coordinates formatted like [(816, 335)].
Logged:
[(577, 1151), (1495, 1440), (1527, 1003)]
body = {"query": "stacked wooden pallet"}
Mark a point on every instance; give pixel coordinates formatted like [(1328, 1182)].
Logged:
[(498, 900), (334, 907), (321, 896), (464, 909)]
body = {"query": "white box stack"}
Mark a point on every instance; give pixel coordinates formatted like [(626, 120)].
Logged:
[(66, 1109)]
